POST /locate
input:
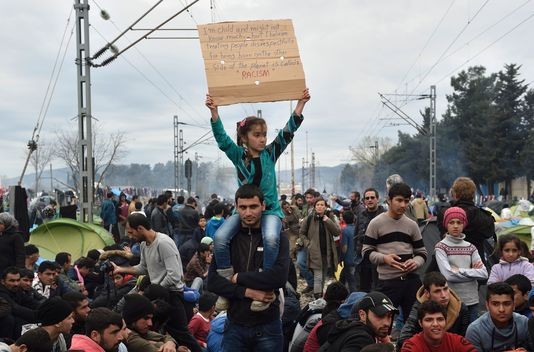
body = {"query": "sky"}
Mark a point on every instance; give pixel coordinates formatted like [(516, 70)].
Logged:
[(350, 50)]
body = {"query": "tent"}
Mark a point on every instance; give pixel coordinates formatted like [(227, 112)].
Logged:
[(67, 235)]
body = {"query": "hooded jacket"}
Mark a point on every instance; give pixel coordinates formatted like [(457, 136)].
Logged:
[(457, 317), (485, 336), (349, 335), (503, 270), (84, 343)]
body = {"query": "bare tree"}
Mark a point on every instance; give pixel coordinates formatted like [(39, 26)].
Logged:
[(40, 159), (369, 150), (107, 150)]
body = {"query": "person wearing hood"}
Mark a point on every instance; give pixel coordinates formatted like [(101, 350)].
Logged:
[(11, 243), (371, 324), (436, 289), (499, 329)]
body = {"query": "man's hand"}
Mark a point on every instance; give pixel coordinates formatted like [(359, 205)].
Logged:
[(410, 265), (478, 265), (257, 295), (393, 261), (183, 349), (116, 268), (325, 218), (233, 279), (168, 346)]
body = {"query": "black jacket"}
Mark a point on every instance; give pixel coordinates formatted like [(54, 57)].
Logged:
[(246, 256), (189, 248), (188, 220), (348, 335), (21, 306), (11, 249)]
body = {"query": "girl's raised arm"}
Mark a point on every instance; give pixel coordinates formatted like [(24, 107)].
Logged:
[(213, 108)]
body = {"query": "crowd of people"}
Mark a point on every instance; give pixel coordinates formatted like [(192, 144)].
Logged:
[(182, 277)]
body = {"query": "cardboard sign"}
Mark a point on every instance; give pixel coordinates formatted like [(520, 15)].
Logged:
[(251, 61)]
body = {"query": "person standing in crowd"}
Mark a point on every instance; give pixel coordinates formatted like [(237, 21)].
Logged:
[(459, 260), (499, 329), (160, 259), (394, 243), (210, 211), (108, 213), (420, 208), (480, 224), (122, 214), (248, 329), (432, 317), (317, 234), (353, 203), (291, 226), (11, 243), (368, 277), (216, 220), (347, 251), (187, 221), (159, 219)]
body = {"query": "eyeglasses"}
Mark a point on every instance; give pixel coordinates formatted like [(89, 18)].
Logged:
[(372, 197)]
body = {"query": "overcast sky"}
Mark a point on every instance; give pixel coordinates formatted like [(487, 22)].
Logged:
[(350, 51)]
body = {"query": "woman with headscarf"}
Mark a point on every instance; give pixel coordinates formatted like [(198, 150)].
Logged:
[(11, 243)]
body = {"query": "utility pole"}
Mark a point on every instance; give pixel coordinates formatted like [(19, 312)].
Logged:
[(176, 156), (429, 132), (85, 133), (432, 141), (303, 174), (51, 180), (312, 170), (181, 161)]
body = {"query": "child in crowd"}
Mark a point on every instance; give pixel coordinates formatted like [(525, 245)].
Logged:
[(459, 260), (255, 162), (216, 220), (199, 325), (350, 261), (512, 261)]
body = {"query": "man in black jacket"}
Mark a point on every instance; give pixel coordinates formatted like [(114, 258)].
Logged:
[(247, 330), (435, 289), (372, 324)]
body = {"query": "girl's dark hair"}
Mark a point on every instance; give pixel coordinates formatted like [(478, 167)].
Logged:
[(246, 125), (504, 239)]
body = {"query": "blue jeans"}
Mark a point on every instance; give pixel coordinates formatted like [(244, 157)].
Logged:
[(271, 226), (302, 262), (260, 338)]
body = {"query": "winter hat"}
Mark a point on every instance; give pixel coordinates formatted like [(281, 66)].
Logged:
[(136, 307), (454, 213), (53, 311), (206, 240)]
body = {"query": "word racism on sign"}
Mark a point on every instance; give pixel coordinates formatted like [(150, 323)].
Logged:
[(252, 61)]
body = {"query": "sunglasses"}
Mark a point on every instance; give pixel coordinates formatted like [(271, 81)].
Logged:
[(372, 197)]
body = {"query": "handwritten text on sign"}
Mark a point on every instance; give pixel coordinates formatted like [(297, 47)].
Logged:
[(251, 61)]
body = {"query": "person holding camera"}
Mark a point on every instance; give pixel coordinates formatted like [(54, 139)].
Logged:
[(317, 234), (160, 259)]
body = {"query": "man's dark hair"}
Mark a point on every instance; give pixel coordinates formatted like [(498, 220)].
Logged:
[(93, 254), (206, 301), (310, 191), (356, 194), (213, 196), (203, 248), (74, 298), (36, 340), (336, 292), (13, 270), (499, 288), (180, 199), (85, 262), (248, 191), (109, 195), (521, 281), (430, 307), (400, 189), (167, 193), (218, 208), (348, 217), (191, 201), (27, 273), (162, 199), (138, 206), (100, 318), (371, 189), (433, 278), (62, 258), (46, 265), (136, 220), (30, 249)]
